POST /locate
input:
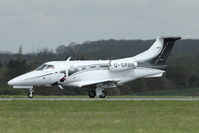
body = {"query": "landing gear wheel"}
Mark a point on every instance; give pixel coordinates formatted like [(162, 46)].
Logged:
[(103, 95), (30, 95), (91, 94)]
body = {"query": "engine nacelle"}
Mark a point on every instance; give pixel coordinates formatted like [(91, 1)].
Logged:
[(122, 65)]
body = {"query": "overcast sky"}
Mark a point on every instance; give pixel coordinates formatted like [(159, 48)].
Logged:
[(49, 23)]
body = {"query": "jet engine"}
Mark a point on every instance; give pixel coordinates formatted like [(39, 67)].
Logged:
[(122, 65)]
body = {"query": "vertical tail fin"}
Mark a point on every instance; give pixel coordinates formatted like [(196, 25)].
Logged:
[(157, 54), (166, 45)]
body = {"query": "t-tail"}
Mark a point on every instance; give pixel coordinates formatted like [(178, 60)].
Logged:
[(157, 54)]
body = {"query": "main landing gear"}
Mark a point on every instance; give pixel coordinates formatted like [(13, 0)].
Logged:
[(91, 93), (103, 95), (31, 93), (98, 92)]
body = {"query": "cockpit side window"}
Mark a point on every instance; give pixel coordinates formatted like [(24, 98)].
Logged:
[(42, 67), (50, 67)]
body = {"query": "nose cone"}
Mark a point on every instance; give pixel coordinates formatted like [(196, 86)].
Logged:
[(24, 80), (12, 82), (20, 80)]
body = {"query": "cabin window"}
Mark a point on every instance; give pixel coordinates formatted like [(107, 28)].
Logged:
[(93, 67), (97, 66), (83, 68), (103, 66), (71, 68), (72, 71), (75, 70), (87, 68), (79, 68)]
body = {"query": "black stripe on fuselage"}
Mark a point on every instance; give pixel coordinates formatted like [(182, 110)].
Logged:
[(86, 71), (41, 76)]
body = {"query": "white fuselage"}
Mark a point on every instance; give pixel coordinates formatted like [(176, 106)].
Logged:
[(81, 73)]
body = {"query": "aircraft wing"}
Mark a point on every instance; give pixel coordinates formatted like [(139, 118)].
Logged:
[(95, 83)]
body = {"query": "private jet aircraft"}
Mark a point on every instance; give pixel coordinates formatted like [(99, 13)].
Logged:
[(99, 74)]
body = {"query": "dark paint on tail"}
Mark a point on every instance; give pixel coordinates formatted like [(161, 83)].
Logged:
[(161, 58)]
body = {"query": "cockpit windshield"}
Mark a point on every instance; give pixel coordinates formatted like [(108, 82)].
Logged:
[(49, 67), (41, 67), (45, 67)]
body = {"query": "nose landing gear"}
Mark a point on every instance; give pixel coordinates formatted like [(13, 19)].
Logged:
[(31, 93)]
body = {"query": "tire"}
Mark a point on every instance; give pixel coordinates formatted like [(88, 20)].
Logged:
[(30, 95), (103, 94), (91, 94)]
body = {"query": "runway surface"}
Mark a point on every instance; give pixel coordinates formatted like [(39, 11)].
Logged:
[(105, 99)]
